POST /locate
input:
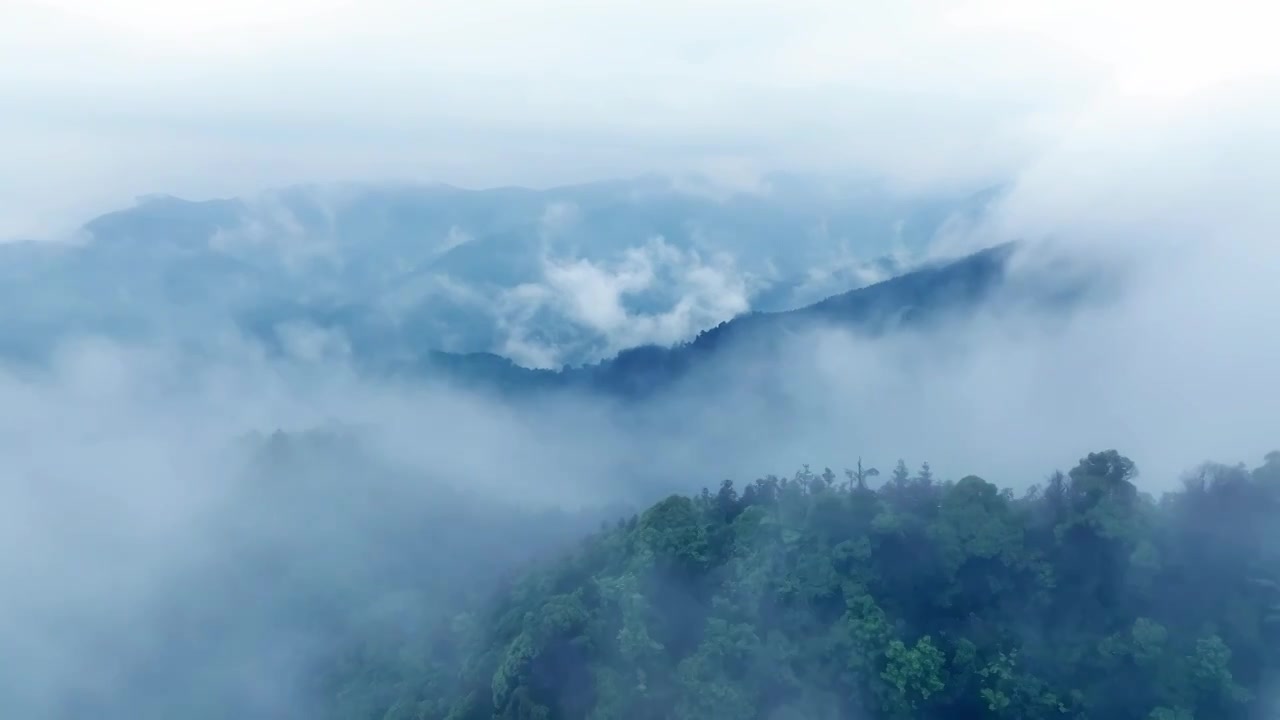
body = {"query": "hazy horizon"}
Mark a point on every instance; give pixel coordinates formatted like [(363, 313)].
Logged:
[(125, 97)]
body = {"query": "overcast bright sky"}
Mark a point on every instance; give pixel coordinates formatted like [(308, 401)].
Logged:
[(101, 100)]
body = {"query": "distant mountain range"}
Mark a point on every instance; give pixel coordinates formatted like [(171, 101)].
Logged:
[(390, 275), (925, 297)]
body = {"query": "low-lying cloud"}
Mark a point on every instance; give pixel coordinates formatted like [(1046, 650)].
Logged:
[(653, 294)]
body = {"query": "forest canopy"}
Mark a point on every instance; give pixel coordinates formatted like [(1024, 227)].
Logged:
[(868, 595)]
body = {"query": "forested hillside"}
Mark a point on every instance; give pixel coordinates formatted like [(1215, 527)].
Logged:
[(880, 596)]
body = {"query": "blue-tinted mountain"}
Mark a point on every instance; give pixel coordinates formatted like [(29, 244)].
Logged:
[(403, 270), (928, 296)]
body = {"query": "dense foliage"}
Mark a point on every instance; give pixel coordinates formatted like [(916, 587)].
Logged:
[(824, 597)]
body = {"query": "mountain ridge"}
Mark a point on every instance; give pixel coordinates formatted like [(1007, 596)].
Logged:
[(912, 300), (416, 267)]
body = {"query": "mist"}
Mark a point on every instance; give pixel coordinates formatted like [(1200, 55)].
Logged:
[(211, 531), (129, 492)]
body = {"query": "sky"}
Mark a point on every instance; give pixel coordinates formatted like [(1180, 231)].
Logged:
[(104, 100)]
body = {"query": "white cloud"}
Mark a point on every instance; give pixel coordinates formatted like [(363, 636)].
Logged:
[(268, 225), (1175, 369), (306, 342), (681, 294), (557, 218)]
